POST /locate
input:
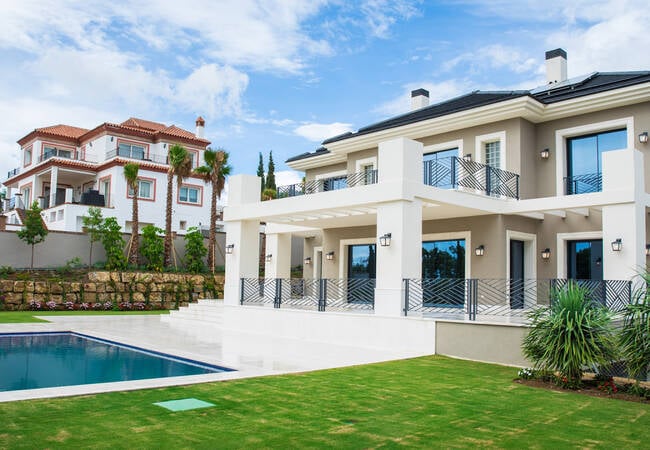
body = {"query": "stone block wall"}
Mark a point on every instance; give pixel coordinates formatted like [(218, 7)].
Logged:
[(154, 290)]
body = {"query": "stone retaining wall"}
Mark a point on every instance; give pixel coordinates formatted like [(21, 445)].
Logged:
[(154, 290)]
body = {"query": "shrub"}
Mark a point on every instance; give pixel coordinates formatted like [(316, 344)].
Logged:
[(84, 306), (98, 306), (69, 306), (634, 338), (108, 305), (573, 332), (195, 250), (35, 305), (113, 244), (51, 305), (153, 247), (70, 265)]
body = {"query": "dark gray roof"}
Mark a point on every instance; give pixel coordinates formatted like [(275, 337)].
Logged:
[(577, 87)]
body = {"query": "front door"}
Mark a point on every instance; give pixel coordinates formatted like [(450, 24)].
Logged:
[(516, 274), (585, 266), (361, 267)]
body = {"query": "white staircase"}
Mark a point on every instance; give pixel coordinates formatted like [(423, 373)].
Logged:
[(210, 311)]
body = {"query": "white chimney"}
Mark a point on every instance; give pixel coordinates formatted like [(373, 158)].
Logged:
[(419, 99), (200, 127), (556, 66)]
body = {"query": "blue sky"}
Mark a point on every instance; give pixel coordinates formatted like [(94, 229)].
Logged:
[(283, 75)]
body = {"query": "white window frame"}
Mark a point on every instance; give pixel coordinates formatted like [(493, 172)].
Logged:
[(151, 191), (483, 139), (343, 254), (28, 151), (562, 135), (444, 146), (561, 243), (198, 195), (361, 164)]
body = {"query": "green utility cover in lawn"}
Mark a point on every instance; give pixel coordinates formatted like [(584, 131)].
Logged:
[(185, 404)]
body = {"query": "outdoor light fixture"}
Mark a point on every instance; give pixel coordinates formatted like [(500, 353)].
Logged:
[(546, 253), (643, 137), (230, 248), (617, 245), (329, 256), (269, 257), (545, 153), (647, 249), (480, 250), (467, 157), (385, 240), (308, 260)]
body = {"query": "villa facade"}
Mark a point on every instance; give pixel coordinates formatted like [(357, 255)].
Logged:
[(481, 204), (68, 169)]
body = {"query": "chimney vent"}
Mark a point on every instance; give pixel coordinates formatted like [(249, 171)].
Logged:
[(556, 66), (419, 99), (200, 127)]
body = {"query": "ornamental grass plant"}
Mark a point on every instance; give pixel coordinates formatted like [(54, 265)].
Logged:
[(634, 338), (571, 334)]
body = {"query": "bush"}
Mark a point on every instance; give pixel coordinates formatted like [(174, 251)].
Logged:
[(195, 250), (572, 333), (634, 338), (153, 247), (111, 237)]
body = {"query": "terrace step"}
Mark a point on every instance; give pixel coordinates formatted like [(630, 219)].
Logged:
[(205, 310)]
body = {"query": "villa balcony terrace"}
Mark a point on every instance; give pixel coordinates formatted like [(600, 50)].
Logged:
[(13, 172), (137, 155), (328, 184), (583, 184)]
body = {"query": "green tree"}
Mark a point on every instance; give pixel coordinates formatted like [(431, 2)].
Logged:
[(635, 336), (269, 194), (195, 250), (131, 176), (34, 230), (113, 243), (180, 166), (270, 174), (153, 247), (572, 333), (260, 172), (215, 171), (93, 226)]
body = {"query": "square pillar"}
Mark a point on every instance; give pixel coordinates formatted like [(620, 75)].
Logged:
[(627, 222), (54, 180), (278, 245)]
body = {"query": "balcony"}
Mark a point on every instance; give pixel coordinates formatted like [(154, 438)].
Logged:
[(13, 173), (9, 204), (583, 184), (137, 155), (57, 153), (328, 184), (455, 173)]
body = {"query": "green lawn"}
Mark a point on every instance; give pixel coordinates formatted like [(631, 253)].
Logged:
[(28, 316), (423, 402)]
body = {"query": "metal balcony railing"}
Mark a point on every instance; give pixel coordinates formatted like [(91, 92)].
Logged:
[(454, 172), (58, 153), (15, 203), (328, 184), (13, 172), (141, 156), (583, 184)]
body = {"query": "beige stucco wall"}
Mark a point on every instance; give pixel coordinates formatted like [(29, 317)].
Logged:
[(312, 174), (494, 343)]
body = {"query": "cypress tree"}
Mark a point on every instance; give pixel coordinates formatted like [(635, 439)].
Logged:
[(270, 174), (260, 172)]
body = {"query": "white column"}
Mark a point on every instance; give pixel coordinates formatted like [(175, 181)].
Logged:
[(623, 171), (54, 180), (400, 163), (68, 195), (278, 245), (244, 235)]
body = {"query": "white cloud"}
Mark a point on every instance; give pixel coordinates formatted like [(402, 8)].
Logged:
[(381, 15), (495, 56), (318, 132), (438, 91), (287, 177)]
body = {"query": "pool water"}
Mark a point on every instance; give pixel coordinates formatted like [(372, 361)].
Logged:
[(40, 360)]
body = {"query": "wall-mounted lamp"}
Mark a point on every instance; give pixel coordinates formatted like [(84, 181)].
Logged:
[(617, 245), (329, 256), (467, 157), (480, 250), (385, 240), (647, 249), (546, 253), (545, 154), (111, 138), (308, 260), (164, 145), (230, 248), (269, 257), (643, 137)]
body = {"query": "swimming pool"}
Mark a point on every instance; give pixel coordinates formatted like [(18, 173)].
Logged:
[(40, 360)]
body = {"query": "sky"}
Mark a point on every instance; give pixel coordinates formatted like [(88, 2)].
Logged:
[(283, 75)]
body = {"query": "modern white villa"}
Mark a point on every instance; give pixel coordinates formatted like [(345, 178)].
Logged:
[(475, 206), (69, 169)]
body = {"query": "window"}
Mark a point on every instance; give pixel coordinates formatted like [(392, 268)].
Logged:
[(584, 159), (51, 152), (369, 174), (129, 150), (105, 190), (27, 160), (145, 189), (182, 225), (189, 194), (27, 196), (439, 168), (493, 154), (443, 273), (194, 157)]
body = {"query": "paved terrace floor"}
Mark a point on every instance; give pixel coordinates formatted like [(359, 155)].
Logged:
[(250, 355)]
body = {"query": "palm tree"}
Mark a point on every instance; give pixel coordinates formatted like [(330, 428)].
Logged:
[(131, 176), (180, 165), (215, 170)]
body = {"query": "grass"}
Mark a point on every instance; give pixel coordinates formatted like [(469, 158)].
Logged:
[(28, 316), (425, 402)]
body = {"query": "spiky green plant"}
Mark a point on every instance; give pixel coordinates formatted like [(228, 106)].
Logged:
[(634, 338), (572, 333)]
